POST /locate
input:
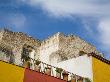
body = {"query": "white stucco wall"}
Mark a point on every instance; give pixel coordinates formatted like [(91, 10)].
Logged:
[(46, 50), (81, 66)]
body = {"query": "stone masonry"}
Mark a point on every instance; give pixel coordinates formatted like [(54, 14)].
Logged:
[(14, 42), (54, 49)]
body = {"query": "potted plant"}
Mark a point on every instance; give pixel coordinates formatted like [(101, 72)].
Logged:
[(65, 75), (37, 65), (73, 78), (48, 70), (58, 72)]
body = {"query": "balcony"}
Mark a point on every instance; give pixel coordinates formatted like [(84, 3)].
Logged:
[(53, 71), (37, 72)]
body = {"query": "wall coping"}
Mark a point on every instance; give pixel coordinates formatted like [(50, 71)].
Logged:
[(99, 58)]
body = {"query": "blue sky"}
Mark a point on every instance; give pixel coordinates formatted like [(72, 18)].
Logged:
[(89, 19)]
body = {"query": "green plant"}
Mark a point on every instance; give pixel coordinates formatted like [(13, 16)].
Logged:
[(30, 64), (59, 70), (87, 80), (47, 68), (25, 58), (82, 53), (37, 62)]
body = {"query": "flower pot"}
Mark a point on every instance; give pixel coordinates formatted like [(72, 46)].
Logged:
[(58, 75), (65, 76), (73, 80), (37, 68), (48, 71), (80, 81)]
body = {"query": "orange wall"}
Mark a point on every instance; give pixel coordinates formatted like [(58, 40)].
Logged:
[(101, 71), (10, 73)]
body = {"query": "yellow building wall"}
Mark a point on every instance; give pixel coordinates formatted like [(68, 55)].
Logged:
[(10, 73), (101, 71)]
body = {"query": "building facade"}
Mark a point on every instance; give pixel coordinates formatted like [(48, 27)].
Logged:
[(64, 51), (54, 49)]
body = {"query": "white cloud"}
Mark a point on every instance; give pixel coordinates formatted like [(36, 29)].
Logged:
[(104, 30), (70, 7), (88, 24), (88, 8)]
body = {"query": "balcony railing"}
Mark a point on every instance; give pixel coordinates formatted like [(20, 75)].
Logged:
[(54, 71)]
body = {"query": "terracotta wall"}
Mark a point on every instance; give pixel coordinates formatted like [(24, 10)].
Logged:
[(32, 76)]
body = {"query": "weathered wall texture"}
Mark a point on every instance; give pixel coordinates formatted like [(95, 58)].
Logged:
[(14, 42), (69, 47), (1, 34), (54, 49), (48, 47), (101, 71)]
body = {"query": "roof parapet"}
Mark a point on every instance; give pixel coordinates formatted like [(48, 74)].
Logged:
[(99, 57)]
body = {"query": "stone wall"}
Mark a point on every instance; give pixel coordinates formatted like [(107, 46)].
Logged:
[(1, 34), (70, 47), (54, 49), (15, 42), (48, 47)]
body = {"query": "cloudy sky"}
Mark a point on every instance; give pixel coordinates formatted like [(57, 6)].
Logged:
[(89, 19)]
